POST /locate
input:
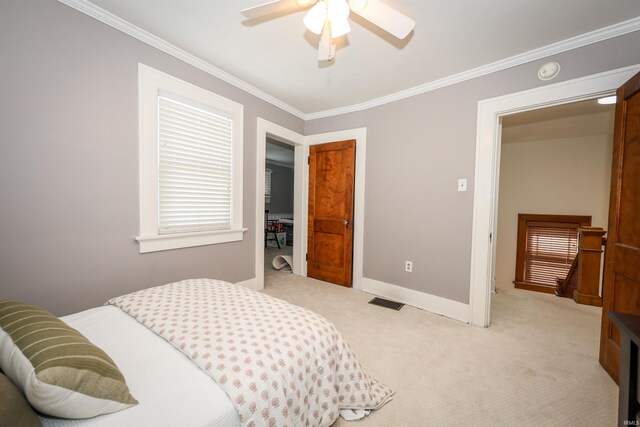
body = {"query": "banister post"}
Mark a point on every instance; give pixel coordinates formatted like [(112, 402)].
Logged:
[(590, 253)]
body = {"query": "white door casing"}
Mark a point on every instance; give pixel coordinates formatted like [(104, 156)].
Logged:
[(360, 136), (264, 129), (301, 195), (488, 161)]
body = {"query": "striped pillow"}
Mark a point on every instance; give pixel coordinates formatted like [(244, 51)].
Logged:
[(60, 372)]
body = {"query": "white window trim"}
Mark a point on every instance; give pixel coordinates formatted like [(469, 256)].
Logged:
[(150, 82)]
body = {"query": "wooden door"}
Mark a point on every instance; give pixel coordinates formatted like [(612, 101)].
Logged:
[(621, 288), (331, 182)]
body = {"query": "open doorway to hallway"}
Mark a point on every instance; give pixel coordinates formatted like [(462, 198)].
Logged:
[(301, 144), (279, 203), (485, 198), (554, 179)]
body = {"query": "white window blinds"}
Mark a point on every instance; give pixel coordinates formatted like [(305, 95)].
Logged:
[(267, 185), (551, 249), (194, 168)]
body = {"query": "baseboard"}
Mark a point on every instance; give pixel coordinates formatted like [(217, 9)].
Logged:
[(438, 305), (250, 283)]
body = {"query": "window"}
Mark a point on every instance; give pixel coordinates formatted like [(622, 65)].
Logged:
[(547, 246), (267, 185), (190, 165), (194, 168)]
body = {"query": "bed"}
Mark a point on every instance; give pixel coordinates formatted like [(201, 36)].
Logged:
[(204, 352), (180, 396)]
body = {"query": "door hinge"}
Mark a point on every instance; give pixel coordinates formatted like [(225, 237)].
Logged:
[(490, 237), (308, 160), (306, 257)]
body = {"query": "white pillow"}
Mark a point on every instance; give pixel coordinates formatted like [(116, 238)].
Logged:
[(60, 372)]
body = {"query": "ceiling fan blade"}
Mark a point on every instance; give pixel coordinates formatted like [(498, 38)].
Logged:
[(387, 18), (326, 47), (273, 7)]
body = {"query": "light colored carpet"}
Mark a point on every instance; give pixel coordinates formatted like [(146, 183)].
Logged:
[(537, 365)]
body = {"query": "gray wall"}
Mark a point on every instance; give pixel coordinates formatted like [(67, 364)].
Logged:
[(69, 162), (417, 148), (281, 189), (69, 165)]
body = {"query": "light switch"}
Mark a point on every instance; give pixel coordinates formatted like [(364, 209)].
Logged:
[(462, 184)]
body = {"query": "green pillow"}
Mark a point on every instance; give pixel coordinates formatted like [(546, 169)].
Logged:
[(60, 372), (14, 408)]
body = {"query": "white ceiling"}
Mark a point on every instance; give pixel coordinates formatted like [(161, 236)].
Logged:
[(279, 56), (576, 120)]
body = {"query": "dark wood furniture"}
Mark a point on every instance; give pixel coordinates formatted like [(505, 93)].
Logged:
[(590, 255), (628, 406), (267, 231), (582, 282)]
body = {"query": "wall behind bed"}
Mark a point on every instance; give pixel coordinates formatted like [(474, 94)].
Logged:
[(69, 162)]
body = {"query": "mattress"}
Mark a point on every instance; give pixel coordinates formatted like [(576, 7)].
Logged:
[(171, 389)]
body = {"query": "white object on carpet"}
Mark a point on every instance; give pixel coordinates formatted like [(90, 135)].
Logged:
[(282, 261), (354, 414)]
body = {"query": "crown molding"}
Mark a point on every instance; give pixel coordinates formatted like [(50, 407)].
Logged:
[(126, 27), (585, 39)]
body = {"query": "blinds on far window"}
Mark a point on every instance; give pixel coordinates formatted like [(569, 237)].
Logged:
[(267, 185), (550, 251), (194, 170)]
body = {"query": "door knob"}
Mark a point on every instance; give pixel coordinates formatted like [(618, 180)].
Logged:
[(346, 222)]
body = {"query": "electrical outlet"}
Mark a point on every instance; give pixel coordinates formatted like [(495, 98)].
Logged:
[(408, 266), (462, 184)]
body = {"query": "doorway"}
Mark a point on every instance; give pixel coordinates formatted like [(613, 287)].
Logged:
[(279, 195), (555, 166), (268, 130), (301, 145), (487, 173), (358, 135), (330, 221)]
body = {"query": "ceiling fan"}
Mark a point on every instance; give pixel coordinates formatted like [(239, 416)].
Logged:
[(328, 18)]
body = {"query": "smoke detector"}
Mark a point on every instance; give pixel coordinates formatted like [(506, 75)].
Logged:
[(548, 71)]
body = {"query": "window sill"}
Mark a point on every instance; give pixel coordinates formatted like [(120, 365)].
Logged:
[(166, 242), (535, 287)]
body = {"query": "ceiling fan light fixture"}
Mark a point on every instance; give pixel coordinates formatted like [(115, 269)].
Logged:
[(329, 18), (337, 9), (337, 14), (357, 5), (339, 27), (314, 19)]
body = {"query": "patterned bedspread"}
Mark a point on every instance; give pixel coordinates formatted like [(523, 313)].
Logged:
[(280, 364)]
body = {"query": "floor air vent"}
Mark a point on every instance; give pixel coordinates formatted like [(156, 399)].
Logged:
[(386, 303)]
